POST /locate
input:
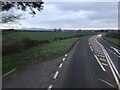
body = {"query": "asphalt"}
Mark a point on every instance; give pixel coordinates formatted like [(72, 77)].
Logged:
[(79, 69)]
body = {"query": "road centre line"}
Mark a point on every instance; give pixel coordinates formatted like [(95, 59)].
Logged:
[(60, 65), (50, 87), (63, 59), (65, 55), (100, 63), (56, 74), (111, 65), (91, 48)]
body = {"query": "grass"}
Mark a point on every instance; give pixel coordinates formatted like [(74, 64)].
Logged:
[(47, 35), (41, 53), (113, 40)]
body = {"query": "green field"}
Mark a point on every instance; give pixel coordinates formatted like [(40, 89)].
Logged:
[(40, 52), (113, 40)]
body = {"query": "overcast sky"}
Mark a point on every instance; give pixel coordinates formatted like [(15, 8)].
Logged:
[(74, 15)]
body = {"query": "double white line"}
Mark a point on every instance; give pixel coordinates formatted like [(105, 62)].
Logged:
[(112, 67)]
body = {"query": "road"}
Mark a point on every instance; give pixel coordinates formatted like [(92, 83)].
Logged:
[(92, 63)]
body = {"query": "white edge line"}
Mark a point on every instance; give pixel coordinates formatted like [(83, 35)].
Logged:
[(91, 48), (60, 65), (50, 87), (99, 63), (8, 72), (63, 59), (110, 62), (56, 74)]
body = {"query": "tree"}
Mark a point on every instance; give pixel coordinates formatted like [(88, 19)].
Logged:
[(6, 6), (59, 30), (55, 30)]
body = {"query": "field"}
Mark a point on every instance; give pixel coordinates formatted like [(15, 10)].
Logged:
[(16, 56), (113, 37)]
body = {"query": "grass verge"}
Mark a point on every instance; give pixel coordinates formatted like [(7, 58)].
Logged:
[(113, 40), (38, 53)]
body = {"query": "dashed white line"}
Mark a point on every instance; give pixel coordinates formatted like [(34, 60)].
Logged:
[(63, 59), (60, 65), (102, 59), (50, 87), (100, 63), (91, 48), (65, 55), (89, 43), (9, 72), (56, 74), (104, 64)]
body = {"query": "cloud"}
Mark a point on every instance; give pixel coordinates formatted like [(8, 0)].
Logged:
[(75, 15)]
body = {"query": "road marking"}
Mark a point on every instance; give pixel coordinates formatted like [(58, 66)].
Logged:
[(107, 83), (100, 55), (111, 65), (63, 59), (56, 74), (89, 43), (65, 55), (104, 64), (91, 48), (60, 65), (9, 72), (111, 51), (115, 50), (50, 87), (100, 63), (102, 59)]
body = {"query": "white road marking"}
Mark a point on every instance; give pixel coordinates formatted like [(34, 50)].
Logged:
[(100, 63), (91, 48), (107, 83), (115, 50), (104, 64), (102, 59), (111, 65), (111, 51), (65, 55), (60, 65), (50, 87), (56, 74), (100, 55), (9, 72), (63, 59), (89, 43)]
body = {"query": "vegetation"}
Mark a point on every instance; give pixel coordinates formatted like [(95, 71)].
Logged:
[(113, 37), (39, 46)]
